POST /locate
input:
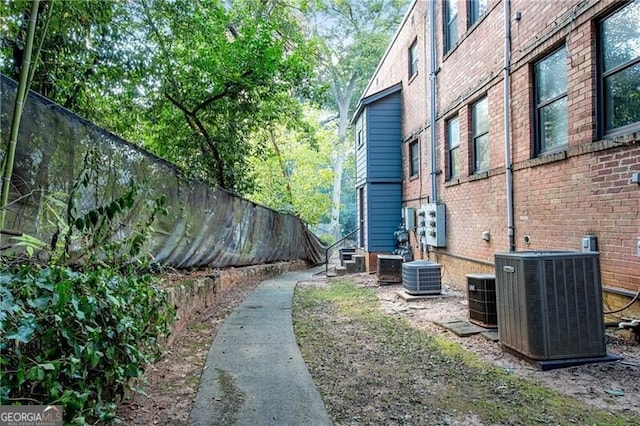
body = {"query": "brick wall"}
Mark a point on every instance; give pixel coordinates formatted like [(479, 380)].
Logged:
[(193, 295), (558, 198)]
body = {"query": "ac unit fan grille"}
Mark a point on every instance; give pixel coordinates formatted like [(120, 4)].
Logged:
[(549, 304), (421, 277), (481, 295)]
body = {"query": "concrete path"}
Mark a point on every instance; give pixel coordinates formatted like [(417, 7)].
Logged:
[(254, 373)]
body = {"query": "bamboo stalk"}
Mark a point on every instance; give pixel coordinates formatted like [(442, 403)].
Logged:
[(17, 113)]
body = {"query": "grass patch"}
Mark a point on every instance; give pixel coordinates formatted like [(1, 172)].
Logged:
[(372, 368), (232, 397)]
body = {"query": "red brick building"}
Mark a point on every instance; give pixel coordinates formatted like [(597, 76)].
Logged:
[(523, 119)]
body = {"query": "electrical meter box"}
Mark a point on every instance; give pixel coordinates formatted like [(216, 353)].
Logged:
[(435, 224), (409, 216)]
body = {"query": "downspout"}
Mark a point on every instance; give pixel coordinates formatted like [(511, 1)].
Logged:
[(425, 101), (507, 123), (432, 102)]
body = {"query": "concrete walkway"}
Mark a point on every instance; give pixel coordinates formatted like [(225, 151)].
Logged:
[(254, 373)]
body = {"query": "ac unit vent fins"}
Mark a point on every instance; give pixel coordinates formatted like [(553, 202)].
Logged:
[(550, 304), (481, 293), (389, 268), (421, 277)]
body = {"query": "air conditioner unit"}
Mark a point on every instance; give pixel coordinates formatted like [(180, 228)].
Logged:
[(549, 304), (481, 294), (389, 268), (421, 277)]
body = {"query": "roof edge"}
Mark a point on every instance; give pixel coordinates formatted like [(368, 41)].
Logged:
[(374, 98)]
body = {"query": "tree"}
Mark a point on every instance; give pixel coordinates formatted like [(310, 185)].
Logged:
[(223, 73), (354, 36), (82, 50), (295, 175), (189, 79)]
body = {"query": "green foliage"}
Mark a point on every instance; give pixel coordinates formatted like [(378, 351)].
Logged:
[(189, 79), (294, 172), (96, 241), (76, 338), (226, 72)]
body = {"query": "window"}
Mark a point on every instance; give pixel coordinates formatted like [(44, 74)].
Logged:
[(480, 129), (477, 8), (360, 135), (620, 68), (551, 102), (413, 58), (414, 159), (453, 144), (450, 24)]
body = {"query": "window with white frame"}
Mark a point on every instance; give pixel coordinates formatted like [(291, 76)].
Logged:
[(477, 8), (551, 119), (414, 159), (450, 24), (620, 70), (453, 148), (413, 58), (480, 135)]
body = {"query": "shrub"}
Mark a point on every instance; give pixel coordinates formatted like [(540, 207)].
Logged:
[(76, 338)]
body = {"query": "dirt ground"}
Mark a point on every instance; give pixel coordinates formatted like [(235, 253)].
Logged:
[(614, 385), (171, 383)]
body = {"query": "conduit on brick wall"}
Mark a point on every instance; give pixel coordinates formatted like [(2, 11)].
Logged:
[(205, 226)]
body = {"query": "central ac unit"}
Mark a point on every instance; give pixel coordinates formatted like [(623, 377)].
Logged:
[(550, 304), (481, 294), (389, 268), (421, 277)]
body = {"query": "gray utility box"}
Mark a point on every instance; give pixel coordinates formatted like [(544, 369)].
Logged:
[(549, 304)]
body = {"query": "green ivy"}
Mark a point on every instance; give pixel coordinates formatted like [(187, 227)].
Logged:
[(76, 338)]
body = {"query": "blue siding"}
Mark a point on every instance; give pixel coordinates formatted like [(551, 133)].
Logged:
[(379, 167), (384, 138), (361, 150), (384, 203)]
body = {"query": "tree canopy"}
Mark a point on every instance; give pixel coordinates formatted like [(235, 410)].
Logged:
[(189, 79), (218, 88)]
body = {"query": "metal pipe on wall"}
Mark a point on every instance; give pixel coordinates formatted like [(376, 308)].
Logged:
[(432, 101), (507, 123)]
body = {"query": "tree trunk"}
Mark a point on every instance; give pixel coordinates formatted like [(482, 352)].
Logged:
[(343, 98), (334, 225)]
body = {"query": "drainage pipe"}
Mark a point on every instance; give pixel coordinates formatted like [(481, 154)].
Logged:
[(423, 138), (432, 101), (507, 123)]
